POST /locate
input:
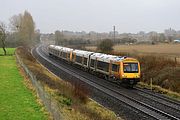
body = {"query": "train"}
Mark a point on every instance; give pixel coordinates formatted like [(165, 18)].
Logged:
[(121, 69)]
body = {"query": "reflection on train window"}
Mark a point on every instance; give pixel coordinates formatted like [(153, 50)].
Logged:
[(130, 67), (78, 59), (103, 66)]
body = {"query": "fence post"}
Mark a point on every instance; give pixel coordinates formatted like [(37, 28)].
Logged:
[(175, 60), (151, 83)]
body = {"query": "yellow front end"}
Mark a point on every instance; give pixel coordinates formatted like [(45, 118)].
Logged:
[(130, 71)]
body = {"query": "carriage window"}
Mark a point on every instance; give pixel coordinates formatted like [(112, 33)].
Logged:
[(85, 61), (78, 59), (92, 62), (115, 67), (68, 54), (103, 66), (60, 53), (64, 54)]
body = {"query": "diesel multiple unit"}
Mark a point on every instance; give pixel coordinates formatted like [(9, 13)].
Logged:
[(118, 68)]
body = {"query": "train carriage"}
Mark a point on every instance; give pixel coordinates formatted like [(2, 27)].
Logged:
[(121, 69), (104, 64), (54, 50), (81, 58), (66, 54)]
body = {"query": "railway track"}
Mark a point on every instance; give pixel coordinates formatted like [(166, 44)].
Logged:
[(148, 92), (159, 98), (140, 106)]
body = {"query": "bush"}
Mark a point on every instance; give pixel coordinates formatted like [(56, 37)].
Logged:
[(105, 46)]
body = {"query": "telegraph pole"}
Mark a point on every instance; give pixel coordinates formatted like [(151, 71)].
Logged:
[(114, 32)]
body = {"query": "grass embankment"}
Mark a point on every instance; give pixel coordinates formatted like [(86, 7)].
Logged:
[(17, 102), (73, 99), (163, 70)]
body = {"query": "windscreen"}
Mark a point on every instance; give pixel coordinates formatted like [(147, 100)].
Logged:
[(130, 67)]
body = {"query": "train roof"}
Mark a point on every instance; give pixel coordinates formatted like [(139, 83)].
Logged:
[(99, 56), (60, 48), (107, 58), (82, 53), (65, 49), (55, 47)]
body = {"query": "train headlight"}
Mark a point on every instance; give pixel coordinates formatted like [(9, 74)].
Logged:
[(124, 76)]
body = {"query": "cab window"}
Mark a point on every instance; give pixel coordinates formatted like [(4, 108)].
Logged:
[(130, 67)]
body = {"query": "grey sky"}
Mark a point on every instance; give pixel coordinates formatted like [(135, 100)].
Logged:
[(97, 15)]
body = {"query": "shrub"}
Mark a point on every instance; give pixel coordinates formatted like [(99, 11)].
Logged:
[(105, 46)]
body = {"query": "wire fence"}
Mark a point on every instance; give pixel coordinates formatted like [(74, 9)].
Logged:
[(50, 103)]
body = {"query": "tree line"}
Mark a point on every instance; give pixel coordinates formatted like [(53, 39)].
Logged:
[(21, 32)]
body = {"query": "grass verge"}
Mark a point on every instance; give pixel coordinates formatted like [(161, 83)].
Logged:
[(73, 98), (17, 102), (10, 51)]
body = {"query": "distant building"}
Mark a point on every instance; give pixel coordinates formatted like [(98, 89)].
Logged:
[(176, 41)]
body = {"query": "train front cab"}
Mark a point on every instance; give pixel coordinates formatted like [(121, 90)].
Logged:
[(130, 71)]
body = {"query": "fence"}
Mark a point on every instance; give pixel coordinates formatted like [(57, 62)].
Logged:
[(50, 103)]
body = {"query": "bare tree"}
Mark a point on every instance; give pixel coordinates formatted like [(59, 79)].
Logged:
[(3, 36), (24, 26), (59, 38), (15, 22)]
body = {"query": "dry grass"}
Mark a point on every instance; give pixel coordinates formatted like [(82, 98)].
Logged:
[(164, 49), (73, 97), (173, 49)]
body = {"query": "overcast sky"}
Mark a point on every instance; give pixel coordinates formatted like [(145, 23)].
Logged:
[(97, 15)]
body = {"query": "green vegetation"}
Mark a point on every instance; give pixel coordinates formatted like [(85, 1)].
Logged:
[(17, 102), (10, 51)]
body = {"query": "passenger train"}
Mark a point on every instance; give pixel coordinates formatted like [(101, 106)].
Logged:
[(116, 68)]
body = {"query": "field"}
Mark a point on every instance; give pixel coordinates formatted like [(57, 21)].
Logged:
[(17, 102), (170, 49), (9, 51)]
